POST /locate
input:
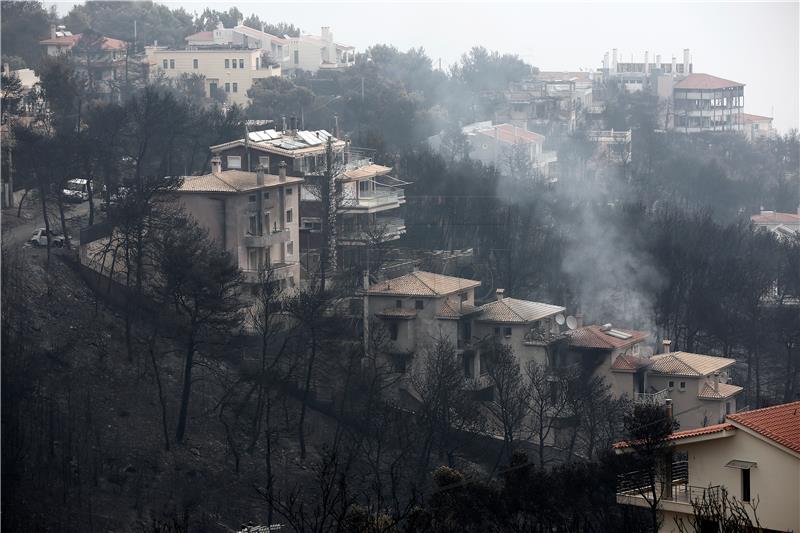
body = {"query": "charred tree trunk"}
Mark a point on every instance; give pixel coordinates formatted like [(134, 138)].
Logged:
[(187, 387)]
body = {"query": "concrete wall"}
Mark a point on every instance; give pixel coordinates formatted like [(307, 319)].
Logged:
[(691, 411)]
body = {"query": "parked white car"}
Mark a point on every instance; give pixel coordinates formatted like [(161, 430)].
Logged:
[(77, 190), (39, 238)]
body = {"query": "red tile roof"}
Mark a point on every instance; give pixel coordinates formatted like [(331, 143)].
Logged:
[(629, 363), (780, 423), (513, 311), (724, 390), (593, 337), (689, 364), (422, 284), (201, 36), (679, 435), (747, 118), (108, 43), (706, 81), (453, 311), (510, 134), (771, 217)]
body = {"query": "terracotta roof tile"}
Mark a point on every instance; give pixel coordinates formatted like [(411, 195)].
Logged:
[(705, 81), (231, 181), (516, 311), (725, 390), (109, 43), (201, 36), (772, 217), (780, 423), (689, 364), (678, 435), (426, 284), (450, 310), (510, 134), (748, 118), (629, 363), (594, 337)]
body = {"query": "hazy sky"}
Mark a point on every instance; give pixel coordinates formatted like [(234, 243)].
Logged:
[(755, 43)]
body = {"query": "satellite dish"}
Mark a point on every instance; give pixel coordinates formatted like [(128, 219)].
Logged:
[(571, 322), (560, 320)]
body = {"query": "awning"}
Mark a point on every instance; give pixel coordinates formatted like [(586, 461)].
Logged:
[(741, 465)]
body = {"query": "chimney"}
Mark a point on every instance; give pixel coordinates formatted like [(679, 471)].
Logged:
[(716, 381), (6, 69), (498, 294), (282, 171), (578, 319), (283, 124), (668, 407), (673, 67), (216, 165), (293, 124), (346, 150), (666, 344), (614, 60), (646, 61), (260, 175), (326, 34), (336, 125), (52, 31), (605, 61), (658, 61), (685, 61)]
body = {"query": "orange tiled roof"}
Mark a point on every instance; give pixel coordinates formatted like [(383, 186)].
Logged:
[(510, 134), (201, 36), (231, 181), (453, 311), (678, 435), (422, 284), (109, 43), (780, 423), (724, 390), (511, 310), (705, 81), (689, 364), (628, 363), (775, 218), (593, 337), (748, 118)]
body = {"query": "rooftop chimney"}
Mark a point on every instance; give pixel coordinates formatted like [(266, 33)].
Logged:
[(283, 124), (668, 407), (666, 343), (260, 175), (6, 69), (499, 293), (673, 67), (52, 31), (685, 61), (658, 61), (614, 60), (578, 319), (646, 61), (216, 165), (716, 381), (282, 171), (293, 124)]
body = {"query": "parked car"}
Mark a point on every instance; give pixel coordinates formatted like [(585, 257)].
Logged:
[(77, 190), (39, 238)]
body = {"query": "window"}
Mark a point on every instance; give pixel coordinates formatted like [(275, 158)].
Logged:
[(398, 304), (467, 365), (234, 161), (235, 87), (288, 216), (227, 87), (393, 330), (251, 198), (296, 57), (507, 331), (266, 222), (496, 332), (258, 63), (746, 485), (172, 63), (234, 63), (266, 195), (288, 191), (290, 248), (255, 258), (419, 304), (195, 63), (682, 386), (671, 385), (241, 63), (728, 408), (166, 64), (252, 228), (363, 188), (227, 63), (464, 296), (263, 161)]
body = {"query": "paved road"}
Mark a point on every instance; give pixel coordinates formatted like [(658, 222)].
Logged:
[(19, 234)]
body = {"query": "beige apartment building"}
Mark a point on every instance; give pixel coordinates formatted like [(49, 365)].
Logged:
[(754, 455), (252, 215), (231, 71)]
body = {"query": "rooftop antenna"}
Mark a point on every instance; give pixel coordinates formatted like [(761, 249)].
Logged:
[(560, 319), (572, 322)]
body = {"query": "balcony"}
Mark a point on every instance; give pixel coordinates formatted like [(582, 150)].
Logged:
[(655, 398), (385, 229), (633, 488), (381, 200), (268, 238), (279, 271)]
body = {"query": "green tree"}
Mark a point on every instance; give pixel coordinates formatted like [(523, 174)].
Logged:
[(24, 24), (274, 97)]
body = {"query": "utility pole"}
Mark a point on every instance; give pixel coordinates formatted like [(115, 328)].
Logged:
[(362, 89)]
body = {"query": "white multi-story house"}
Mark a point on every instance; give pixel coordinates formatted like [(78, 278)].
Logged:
[(252, 215), (229, 70), (702, 102), (756, 127), (753, 455)]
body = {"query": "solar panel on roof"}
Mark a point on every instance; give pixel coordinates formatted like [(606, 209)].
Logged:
[(272, 134), (619, 334), (324, 135), (253, 136), (309, 138)]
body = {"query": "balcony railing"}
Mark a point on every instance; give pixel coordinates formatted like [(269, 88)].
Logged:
[(384, 229), (677, 489), (655, 398), (379, 199), (268, 238)]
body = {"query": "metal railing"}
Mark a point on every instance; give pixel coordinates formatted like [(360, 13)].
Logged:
[(677, 489), (656, 398)]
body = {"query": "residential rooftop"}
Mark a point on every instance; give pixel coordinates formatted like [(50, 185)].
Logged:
[(108, 43), (289, 143), (422, 284), (774, 217), (706, 81), (232, 181), (514, 311), (598, 337), (688, 364)]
